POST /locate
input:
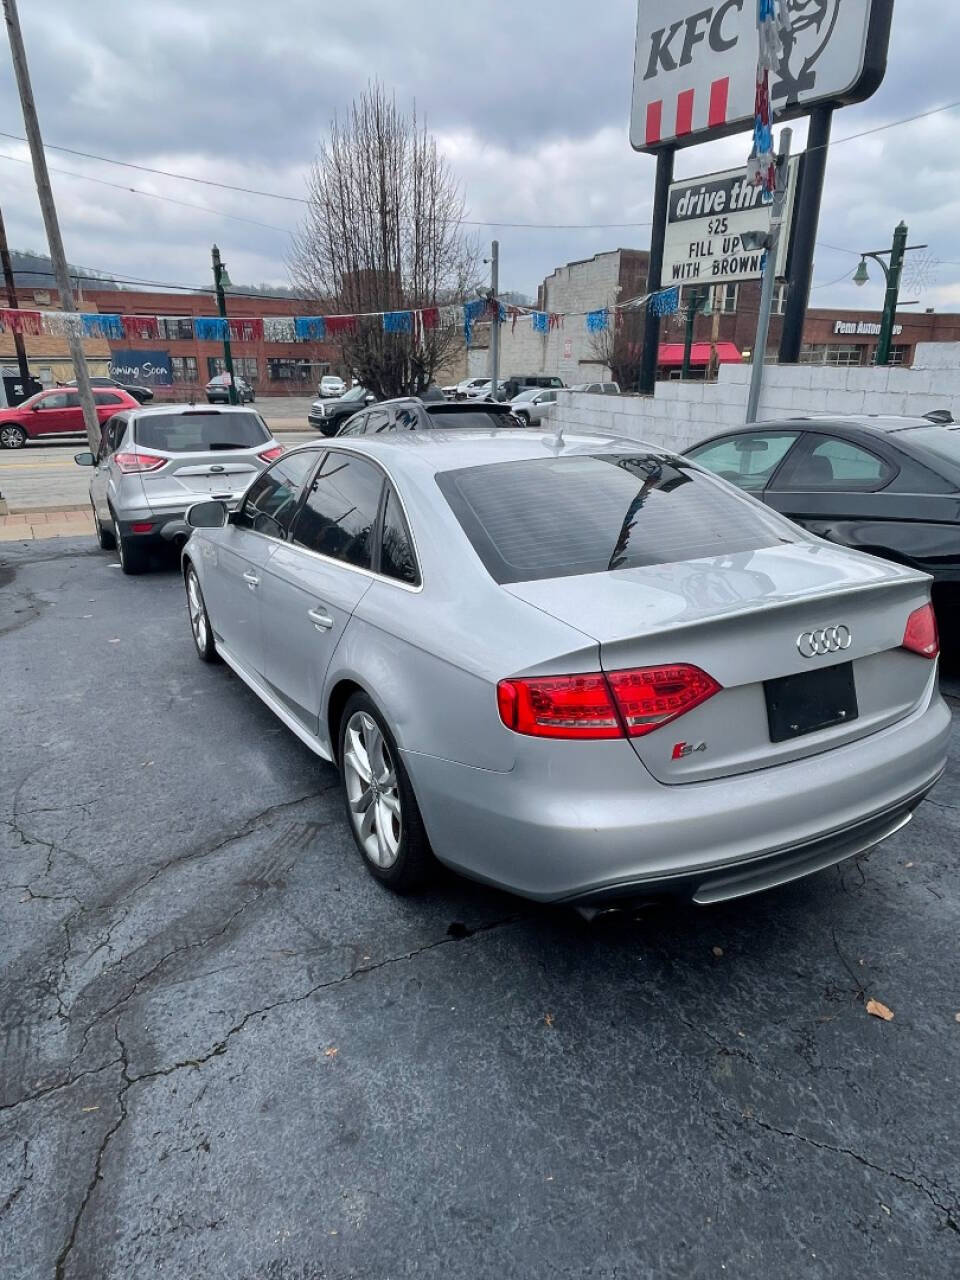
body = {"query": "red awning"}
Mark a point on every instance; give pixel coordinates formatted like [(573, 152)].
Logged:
[(671, 353)]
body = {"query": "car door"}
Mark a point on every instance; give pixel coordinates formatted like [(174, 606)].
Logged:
[(316, 579), (748, 459), (834, 486), (104, 478), (56, 413), (235, 561)]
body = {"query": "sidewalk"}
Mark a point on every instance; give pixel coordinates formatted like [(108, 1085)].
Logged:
[(30, 525)]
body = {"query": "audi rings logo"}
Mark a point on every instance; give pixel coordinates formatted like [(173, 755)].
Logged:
[(814, 644)]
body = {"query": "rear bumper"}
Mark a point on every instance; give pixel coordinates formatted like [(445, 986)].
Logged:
[(592, 826), (167, 525)]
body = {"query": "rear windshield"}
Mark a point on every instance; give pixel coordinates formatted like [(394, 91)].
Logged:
[(196, 431), (555, 517), (943, 442), (483, 418)]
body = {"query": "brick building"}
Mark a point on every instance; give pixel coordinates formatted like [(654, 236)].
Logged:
[(272, 368), (840, 338)]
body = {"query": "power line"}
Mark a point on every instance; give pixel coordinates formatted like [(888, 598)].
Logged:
[(472, 222), (151, 195)]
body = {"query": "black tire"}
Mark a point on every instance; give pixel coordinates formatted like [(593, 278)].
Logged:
[(105, 537), (403, 836), (524, 417), (199, 618), (134, 557), (12, 436)]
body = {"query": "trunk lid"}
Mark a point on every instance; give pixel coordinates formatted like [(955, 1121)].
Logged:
[(740, 619), (209, 453)]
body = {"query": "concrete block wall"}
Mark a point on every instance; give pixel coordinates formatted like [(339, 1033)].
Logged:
[(683, 413)]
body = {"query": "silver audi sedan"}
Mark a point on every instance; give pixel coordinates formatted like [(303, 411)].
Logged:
[(578, 668)]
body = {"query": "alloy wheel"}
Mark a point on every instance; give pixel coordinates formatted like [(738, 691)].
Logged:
[(12, 437), (372, 791), (198, 615)]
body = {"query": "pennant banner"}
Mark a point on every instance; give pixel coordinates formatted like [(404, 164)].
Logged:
[(597, 321), (665, 303), (209, 328), (279, 329), (309, 328), (398, 322), (140, 328), (540, 321), (60, 324), (246, 329), (97, 324), (20, 321), (340, 324)]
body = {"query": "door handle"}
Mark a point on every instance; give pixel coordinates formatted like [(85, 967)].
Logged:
[(322, 621), (251, 580)]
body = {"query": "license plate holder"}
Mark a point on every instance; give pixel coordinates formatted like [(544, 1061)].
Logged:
[(811, 700)]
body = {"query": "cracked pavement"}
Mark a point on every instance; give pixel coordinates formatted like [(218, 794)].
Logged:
[(227, 1052)]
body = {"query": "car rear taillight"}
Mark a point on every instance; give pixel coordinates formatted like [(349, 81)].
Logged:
[(130, 462), (141, 526), (621, 703), (920, 634), (271, 455), (649, 697)]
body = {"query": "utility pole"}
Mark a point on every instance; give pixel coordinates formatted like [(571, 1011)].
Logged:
[(647, 382), (13, 301), (220, 278), (696, 302), (803, 237), (771, 244), (58, 258), (495, 322)]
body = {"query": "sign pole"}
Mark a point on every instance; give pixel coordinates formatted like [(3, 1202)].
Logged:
[(769, 277), (805, 222), (651, 326)]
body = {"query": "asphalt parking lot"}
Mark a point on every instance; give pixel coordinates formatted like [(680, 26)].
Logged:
[(227, 1052)]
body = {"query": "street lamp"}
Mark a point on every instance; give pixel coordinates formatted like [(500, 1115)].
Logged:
[(697, 301), (891, 275), (222, 280)]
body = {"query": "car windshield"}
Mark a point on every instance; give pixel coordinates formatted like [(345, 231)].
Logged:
[(355, 393), (482, 418), (528, 394), (197, 431), (556, 517)]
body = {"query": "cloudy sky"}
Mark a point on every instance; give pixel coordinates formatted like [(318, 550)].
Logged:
[(529, 100)]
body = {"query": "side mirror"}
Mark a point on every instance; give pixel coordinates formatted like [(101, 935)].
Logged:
[(85, 459), (207, 515), (370, 398)]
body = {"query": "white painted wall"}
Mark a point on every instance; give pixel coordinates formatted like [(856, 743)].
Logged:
[(683, 413)]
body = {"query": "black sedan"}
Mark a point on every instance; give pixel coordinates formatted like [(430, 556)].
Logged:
[(889, 486), (420, 413), (143, 394)]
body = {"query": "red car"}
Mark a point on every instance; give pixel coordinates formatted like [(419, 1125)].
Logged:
[(56, 413)]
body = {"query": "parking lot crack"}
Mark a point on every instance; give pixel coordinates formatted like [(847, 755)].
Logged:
[(47, 1090), (951, 1212), (220, 1048), (125, 1082)]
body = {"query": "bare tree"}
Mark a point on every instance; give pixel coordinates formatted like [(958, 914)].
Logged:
[(384, 232), (620, 347)]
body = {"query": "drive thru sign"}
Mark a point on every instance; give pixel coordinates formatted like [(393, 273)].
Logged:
[(696, 62), (705, 220)]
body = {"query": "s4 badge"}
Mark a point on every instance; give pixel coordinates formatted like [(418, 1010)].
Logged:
[(683, 749)]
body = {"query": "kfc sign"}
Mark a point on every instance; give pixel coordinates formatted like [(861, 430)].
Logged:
[(695, 70)]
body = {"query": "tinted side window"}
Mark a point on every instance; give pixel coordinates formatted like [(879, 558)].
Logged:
[(396, 548), (828, 463), (748, 460), (106, 397), (378, 420), (341, 510), (55, 400), (271, 500), (354, 426)]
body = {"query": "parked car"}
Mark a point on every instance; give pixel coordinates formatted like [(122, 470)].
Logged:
[(598, 388), (485, 390), (886, 485), (154, 463), (582, 670), (329, 416), (57, 412), (411, 413), (218, 389), (533, 404), (462, 388), (513, 386), (141, 394), (331, 385)]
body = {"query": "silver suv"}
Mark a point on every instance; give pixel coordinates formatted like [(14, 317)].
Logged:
[(154, 463)]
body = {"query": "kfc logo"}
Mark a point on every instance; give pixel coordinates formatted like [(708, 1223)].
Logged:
[(807, 26)]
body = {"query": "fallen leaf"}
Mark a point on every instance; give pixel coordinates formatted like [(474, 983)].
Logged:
[(879, 1010), (718, 952), (548, 1019), (885, 1209), (89, 1108), (331, 1052), (908, 864)]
